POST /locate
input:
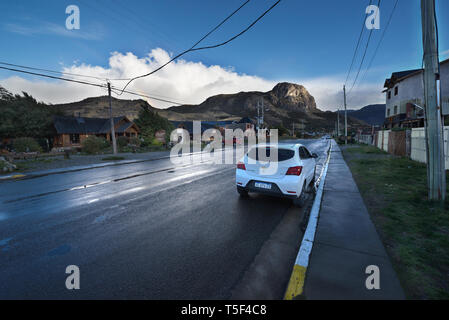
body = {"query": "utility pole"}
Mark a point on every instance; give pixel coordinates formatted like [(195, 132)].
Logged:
[(293, 129), (114, 143), (346, 117), (338, 122), (258, 116), (303, 127), (436, 174)]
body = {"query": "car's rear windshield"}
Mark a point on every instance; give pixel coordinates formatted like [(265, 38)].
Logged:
[(283, 154)]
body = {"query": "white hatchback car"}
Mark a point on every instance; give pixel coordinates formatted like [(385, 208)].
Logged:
[(291, 178)]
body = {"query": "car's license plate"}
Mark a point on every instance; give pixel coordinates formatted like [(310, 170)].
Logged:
[(262, 185)]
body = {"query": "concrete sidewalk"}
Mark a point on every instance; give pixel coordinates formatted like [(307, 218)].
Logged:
[(346, 242)]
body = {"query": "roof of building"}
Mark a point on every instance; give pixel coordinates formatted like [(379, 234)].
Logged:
[(188, 125), (246, 120), (401, 75), (218, 123), (73, 125)]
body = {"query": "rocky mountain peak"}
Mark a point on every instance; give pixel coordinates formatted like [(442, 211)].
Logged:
[(293, 96)]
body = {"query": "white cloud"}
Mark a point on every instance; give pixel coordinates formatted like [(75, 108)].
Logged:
[(328, 93), (183, 81)]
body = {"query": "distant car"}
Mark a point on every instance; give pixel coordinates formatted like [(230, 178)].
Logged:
[(326, 137), (295, 173)]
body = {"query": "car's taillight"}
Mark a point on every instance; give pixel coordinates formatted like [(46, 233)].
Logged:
[(241, 166), (294, 171)]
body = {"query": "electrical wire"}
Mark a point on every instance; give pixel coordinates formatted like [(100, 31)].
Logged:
[(103, 86), (50, 71), (115, 90), (207, 47), (53, 77), (364, 54), (380, 40), (358, 44)]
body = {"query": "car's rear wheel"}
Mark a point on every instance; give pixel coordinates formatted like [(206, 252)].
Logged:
[(301, 200), (312, 183), (242, 192)]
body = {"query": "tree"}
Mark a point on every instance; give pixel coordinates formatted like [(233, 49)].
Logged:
[(23, 116), (149, 122)]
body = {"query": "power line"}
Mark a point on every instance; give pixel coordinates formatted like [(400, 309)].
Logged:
[(53, 77), (115, 90), (358, 44), (381, 39), (66, 73), (364, 54), (89, 83), (186, 51), (50, 71), (208, 47), (239, 34)]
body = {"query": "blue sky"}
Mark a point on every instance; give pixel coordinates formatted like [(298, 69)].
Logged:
[(308, 42)]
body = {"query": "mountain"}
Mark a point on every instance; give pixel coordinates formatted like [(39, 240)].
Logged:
[(98, 107), (286, 104), (373, 114)]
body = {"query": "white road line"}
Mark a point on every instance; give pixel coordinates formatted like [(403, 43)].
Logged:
[(297, 279)]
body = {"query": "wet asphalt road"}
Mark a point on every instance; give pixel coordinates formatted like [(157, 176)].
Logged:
[(150, 230)]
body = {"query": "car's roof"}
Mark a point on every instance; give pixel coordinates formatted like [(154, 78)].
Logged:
[(279, 145)]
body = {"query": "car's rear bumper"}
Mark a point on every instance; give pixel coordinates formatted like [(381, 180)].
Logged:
[(288, 186), (274, 191)]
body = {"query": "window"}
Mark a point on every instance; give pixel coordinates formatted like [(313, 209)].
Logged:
[(74, 138), (283, 154), (389, 95), (388, 112), (396, 90), (395, 109), (304, 153)]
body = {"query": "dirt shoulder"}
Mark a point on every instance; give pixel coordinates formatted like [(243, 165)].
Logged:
[(414, 231)]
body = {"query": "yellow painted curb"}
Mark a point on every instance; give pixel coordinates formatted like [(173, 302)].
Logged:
[(18, 176), (296, 284)]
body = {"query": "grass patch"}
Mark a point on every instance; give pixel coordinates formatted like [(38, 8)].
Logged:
[(364, 149), (414, 230), (113, 158)]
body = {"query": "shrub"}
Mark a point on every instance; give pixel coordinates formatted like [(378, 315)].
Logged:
[(94, 144), (122, 141), (134, 141), (282, 131), (156, 142), (26, 145)]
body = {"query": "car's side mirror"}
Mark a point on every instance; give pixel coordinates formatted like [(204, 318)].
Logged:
[(314, 155)]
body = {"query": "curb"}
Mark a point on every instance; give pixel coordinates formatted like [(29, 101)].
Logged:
[(14, 176), (109, 164), (297, 279)]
